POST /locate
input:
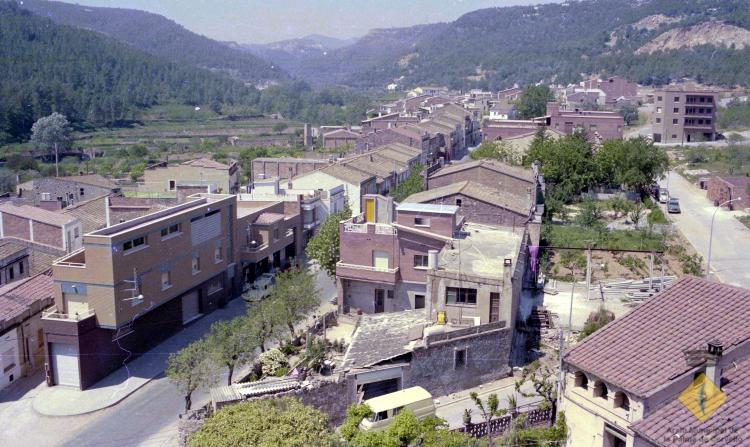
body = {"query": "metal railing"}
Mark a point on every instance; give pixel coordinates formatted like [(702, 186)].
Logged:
[(355, 228), (78, 316), (366, 267), (62, 261)]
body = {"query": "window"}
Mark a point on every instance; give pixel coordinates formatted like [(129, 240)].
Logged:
[(676, 99), (622, 401), (459, 359), (460, 295), (134, 243), (675, 121), (674, 137), (581, 380), (45, 196), (658, 110), (419, 301), (421, 222), (600, 390), (10, 272), (196, 264), (658, 120), (20, 268), (166, 279), (172, 185), (592, 127), (276, 234), (40, 337), (658, 98), (217, 254), (458, 203), (172, 229), (216, 285), (420, 261), (676, 110), (389, 294), (80, 191), (75, 232), (379, 416)]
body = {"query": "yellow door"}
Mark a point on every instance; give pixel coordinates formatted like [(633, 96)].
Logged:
[(370, 210)]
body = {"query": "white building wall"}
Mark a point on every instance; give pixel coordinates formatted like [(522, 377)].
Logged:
[(10, 362)]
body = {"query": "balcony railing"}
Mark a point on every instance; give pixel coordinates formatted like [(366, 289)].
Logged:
[(74, 259), (53, 314), (355, 228), (384, 229), (367, 268), (255, 249)]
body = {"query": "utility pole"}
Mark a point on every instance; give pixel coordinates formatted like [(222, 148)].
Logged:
[(588, 273), (651, 272), (57, 169)]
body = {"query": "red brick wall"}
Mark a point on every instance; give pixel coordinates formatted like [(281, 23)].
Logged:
[(16, 227), (284, 169), (481, 212), (48, 234), (488, 177)]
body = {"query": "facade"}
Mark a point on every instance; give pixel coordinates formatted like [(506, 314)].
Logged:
[(628, 394), (217, 177), (503, 112), (497, 130), (135, 283), (40, 226), (605, 125), (723, 189), (356, 183), (340, 138), (53, 193), (428, 144), (684, 115), (22, 345), (14, 261), (513, 180), (285, 167), (614, 88), (269, 235), (388, 121)]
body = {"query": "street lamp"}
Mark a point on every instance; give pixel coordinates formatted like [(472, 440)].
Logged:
[(711, 234)]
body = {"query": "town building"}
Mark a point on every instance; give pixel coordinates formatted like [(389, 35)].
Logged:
[(722, 189), (517, 181), (600, 124), (674, 368), (343, 139), (135, 283), (388, 121), (684, 114), (614, 88), (503, 112), (510, 94), (356, 183), (215, 176), (14, 261), (427, 143), (498, 130), (54, 193), (284, 168), (40, 226), (22, 345)]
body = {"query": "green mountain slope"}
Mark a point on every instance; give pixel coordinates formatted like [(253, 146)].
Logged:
[(89, 77), (159, 36)]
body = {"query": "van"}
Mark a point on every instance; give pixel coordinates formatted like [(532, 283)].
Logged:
[(386, 407)]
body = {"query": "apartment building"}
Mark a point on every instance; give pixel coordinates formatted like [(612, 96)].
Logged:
[(215, 176), (135, 283), (601, 124), (683, 114), (674, 370), (40, 226)]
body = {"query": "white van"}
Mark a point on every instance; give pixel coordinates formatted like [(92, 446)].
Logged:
[(387, 406)]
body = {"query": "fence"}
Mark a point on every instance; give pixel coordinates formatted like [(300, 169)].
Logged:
[(534, 418)]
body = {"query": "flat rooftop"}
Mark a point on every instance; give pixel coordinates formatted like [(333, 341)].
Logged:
[(481, 250)]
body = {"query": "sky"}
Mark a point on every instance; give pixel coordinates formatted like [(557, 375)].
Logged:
[(263, 21)]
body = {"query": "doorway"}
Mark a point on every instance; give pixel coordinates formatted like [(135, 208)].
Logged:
[(379, 301), (494, 306)]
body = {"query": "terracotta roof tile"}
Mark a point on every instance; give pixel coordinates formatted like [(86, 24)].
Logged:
[(268, 218), (10, 249), (504, 199), (206, 163), (17, 297), (645, 349), (513, 171), (91, 179), (37, 214), (92, 213)]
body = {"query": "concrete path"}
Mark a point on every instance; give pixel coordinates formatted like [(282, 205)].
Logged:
[(731, 239)]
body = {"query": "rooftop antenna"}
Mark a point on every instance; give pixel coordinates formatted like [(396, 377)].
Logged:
[(135, 289)]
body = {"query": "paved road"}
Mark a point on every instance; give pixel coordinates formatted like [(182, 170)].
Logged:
[(146, 418), (731, 239)]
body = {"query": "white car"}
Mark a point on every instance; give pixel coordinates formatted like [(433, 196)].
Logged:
[(663, 196)]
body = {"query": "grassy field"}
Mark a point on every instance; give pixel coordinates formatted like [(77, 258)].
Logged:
[(729, 160)]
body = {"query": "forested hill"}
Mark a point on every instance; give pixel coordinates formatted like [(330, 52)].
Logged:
[(496, 47), (159, 36), (90, 77)]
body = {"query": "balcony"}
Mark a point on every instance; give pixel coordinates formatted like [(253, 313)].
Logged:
[(367, 273), (68, 324), (74, 259)]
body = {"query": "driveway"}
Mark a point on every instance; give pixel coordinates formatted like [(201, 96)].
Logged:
[(731, 239)]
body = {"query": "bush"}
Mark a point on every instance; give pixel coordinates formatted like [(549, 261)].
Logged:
[(271, 361)]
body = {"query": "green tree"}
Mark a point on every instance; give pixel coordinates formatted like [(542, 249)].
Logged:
[(412, 185), (635, 163), (284, 422), (265, 322), (51, 132), (7, 180), (533, 101), (544, 381), (279, 128), (138, 151), (324, 246), (231, 344), (567, 164), (296, 296), (191, 368), (496, 150), (636, 213), (629, 113), (596, 321), (589, 214), (489, 410), (137, 170)]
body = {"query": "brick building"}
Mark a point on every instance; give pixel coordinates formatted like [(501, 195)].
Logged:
[(427, 143), (514, 180), (53, 193), (285, 167), (684, 114), (133, 284), (388, 121), (497, 130), (723, 189), (14, 261), (340, 139), (216, 176), (606, 125), (40, 226)]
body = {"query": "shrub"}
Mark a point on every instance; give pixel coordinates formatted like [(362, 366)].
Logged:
[(271, 361)]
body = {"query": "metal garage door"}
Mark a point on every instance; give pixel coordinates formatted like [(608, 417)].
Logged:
[(65, 364), (190, 307)]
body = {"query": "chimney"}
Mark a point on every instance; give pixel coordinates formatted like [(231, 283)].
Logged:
[(432, 259), (713, 371)]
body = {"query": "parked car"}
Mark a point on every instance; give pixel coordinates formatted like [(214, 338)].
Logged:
[(260, 289), (663, 195), (386, 407), (673, 205)]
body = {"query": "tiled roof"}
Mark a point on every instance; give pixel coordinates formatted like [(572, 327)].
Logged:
[(407, 132), (739, 182), (291, 159), (37, 214), (10, 249), (476, 191), (645, 349), (513, 171), (92, 213), (268, 218), (339, 133), (346, 174), (382, 337), (91, 179), (18, 297), (670, 425), (206, 163)]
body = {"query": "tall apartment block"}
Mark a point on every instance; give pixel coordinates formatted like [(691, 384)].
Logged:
[(683, 115), (137, 282)]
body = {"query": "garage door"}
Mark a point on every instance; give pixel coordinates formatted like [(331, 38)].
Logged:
[(65, 364), (190, 307)]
